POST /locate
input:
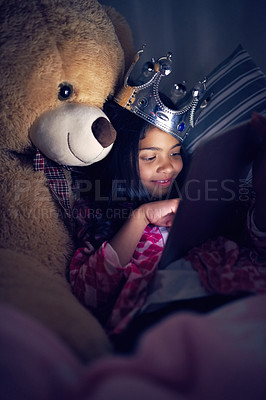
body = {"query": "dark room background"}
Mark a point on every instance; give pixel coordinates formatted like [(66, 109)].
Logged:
[(199, 33)]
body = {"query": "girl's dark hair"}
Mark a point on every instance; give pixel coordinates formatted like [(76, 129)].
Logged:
[(123, 164)]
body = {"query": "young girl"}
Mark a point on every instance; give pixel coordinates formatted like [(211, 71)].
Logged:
[(120, 279), (122, 239)]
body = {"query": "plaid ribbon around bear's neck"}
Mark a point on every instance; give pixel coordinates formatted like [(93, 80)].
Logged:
[(56, 178)]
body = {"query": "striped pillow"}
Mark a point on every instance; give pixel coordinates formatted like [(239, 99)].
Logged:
[(237, 88)]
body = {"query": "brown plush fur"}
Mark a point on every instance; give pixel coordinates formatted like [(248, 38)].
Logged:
[(42, 44)]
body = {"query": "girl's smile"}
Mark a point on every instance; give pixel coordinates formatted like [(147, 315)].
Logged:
[(165, 182), (160, 161)]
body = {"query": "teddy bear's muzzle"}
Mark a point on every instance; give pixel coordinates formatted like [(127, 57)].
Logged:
[(103, 131), (73, 134)]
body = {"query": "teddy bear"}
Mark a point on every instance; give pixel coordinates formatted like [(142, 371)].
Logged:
[(60, 61)]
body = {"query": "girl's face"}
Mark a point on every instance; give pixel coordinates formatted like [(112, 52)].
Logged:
[(160, 161)]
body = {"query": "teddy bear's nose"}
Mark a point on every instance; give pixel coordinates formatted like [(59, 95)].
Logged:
[(103, 131)]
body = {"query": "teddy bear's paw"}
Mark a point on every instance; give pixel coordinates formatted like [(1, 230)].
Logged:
[(31, 288)]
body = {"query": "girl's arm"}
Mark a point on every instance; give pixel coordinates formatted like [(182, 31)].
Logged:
[(96, 276), (159, 213)]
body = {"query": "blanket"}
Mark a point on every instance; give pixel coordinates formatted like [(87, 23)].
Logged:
[(219, 355)]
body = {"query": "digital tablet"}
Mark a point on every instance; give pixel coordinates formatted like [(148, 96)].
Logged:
[(216, 180)]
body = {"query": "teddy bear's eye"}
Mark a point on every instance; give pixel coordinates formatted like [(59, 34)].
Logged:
[(65, 91)]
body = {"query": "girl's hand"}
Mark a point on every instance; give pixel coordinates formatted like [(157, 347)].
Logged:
[(160, 213)]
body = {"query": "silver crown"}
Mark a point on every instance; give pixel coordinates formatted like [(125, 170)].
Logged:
[(144, 99)]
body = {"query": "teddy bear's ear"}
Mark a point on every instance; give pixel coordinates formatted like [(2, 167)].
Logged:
[(123, 33)]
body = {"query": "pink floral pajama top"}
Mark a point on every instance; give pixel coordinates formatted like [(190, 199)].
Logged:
[(115, 294)]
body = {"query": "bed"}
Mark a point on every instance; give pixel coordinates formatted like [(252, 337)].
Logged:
[(193, 352)]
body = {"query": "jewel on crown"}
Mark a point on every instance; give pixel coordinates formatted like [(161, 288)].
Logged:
[(144, 99)]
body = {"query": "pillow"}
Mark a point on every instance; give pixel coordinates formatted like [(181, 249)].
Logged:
[(236, 88)]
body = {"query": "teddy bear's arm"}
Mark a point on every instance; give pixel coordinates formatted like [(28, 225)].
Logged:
[(32, 266), (31, 221)]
